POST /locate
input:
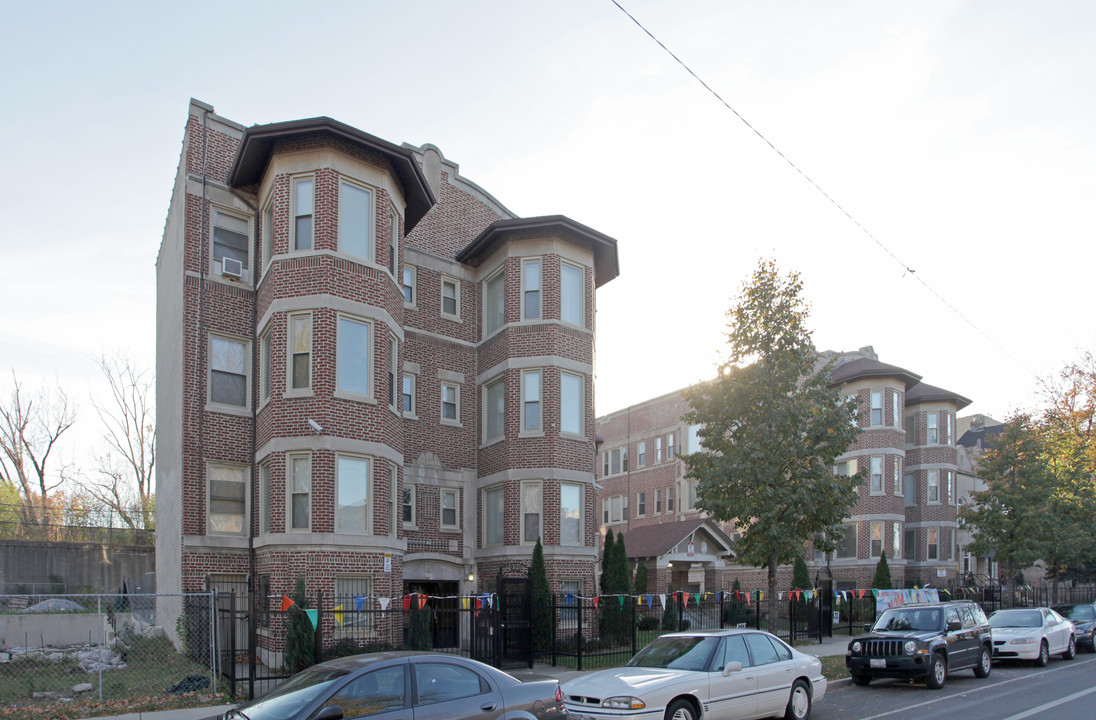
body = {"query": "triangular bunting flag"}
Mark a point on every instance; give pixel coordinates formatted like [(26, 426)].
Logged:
[(662, 599), (422, 601), (359, 601), (875, 593), (286, 603), (595, 600), (621, 599), (685, 599), (650, 601), (384, 602), (464, 603), (406, 602), (337, 612), (696, 596), (313, 617), (747, 598)]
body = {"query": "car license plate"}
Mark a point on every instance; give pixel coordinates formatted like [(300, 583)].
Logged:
[(878, 663)]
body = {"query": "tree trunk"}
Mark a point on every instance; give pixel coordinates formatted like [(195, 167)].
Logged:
[(771, 608)]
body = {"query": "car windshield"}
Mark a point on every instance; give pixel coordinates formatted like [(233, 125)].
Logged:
[(1077, 612), (678, 653), (1022, 618), (898, 619), (287, 699)]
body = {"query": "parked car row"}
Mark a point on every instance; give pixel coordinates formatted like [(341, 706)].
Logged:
[(928, 641)]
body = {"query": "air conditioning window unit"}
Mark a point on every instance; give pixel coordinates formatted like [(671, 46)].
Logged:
[(231, 267)]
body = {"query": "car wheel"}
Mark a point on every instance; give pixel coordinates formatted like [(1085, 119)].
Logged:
[(861, 680), (681, 710), (1044, 655), (799, 704), (1071, 649), (985, 664), (938, 672)]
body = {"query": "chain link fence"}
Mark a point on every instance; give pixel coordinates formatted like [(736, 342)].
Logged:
[(73, 656)]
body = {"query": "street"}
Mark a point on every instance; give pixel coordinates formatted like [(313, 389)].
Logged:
[(1014, 691)]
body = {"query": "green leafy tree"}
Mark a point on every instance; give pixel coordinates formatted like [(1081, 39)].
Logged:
[(771, 429), (606, 557), (542, 607), (735, 608), (639, 585), (670, 616), (882, 579), (300, 641), (801, 578)]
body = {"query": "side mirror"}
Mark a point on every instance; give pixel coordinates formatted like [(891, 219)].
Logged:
[(867, 627), (954, 625), (731, 667), (331, 712)]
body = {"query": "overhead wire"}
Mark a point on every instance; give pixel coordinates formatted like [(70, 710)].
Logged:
[(907, 269)]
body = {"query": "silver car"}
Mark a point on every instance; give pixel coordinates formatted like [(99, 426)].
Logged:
[(405, 686)]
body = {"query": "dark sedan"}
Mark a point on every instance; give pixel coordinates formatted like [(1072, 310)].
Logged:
[(1083, 617), (406, 686)]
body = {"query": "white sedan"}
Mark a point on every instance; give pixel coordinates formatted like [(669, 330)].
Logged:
[(718, 674), (1031, 634)]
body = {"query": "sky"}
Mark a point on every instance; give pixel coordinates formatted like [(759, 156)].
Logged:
[(958, 134)]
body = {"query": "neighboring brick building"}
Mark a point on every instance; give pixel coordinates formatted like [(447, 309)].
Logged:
[(369, 372), (907, 504)]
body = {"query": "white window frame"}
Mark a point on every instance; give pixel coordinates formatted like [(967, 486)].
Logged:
[(579, 402), (580, 300), (496, 384), (620, 460), (408, 396), (876, 529), (455, 387), (899, 478), (291, 490), (614, 510), (393, 241), (932, 433), (947, 487), (641, 504), (896, 540), (658, 501), (932, 549), (368, 255), (267, 230), (454, 493), (393, 493), (527, 292), (949, 429), (670, 450), (641, 453), (494, 527), (367, 508), (265, 357), (526, 511), (395, 383), (846, 468), (340, 391), (212, 527), (875, 414), (896, 409), (530, 403), (295, 215), (910, 489), (581, 515), (658, 449), (224, 337), (449, 279), (932, 487), (290, 353), (409, 272), (264, 497), (670, 499), (494, 321), (248, 262), (408, 498), (877, 477)]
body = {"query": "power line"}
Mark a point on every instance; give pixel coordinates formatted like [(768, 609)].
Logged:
[(905, 267)]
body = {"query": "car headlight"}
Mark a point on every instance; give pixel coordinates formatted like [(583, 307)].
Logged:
[(623, 702), (1025, 641), (855, 647), (910, 647)]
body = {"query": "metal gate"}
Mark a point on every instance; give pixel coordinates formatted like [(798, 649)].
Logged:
[(515, 629)]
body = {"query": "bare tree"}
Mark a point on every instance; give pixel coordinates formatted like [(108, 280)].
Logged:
[(124, 473), (30, 428)]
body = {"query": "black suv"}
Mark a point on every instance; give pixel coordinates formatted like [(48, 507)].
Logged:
[(923, 641)]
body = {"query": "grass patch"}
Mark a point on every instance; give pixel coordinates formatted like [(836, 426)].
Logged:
[(833, 667)]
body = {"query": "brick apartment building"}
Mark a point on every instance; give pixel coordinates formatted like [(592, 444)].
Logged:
[(370, 373), (906, 507)]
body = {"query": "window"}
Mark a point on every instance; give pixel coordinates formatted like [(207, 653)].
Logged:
[(408, 394), (300, 491), (933, 431), (450, 297), (530, 511), (408, 505), (846, 468), (227, 499), (530, 290), (614, 509), (570, 514), (393, 489), (690, 499), (231, 234), (658, 450), (909, 544), (876, 538), (494, 410), (670, 446), (876, 474), (948, 430), (227, 371), (571, 294), (393, 364), (876, 407), (353, 356), (896, 540), (669, 499), (408, 285), (450, 403), (355, 220), (571, 404), (695, 444), (264, 497), (377, 692), (911, 425), (300, 351), (933, 486), (614, 461), (347, 587), (493, 516), (530, 400), (441, 682), (933, 544), (658, 502), (352, 493), (302, 214), (641, 504), (641, 447), (948, 487), (910, 488), (898, 489), (264, 367), (847, 548), (268, 232), (393, 241), (450, 505), (494, 299), (896, 408)]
